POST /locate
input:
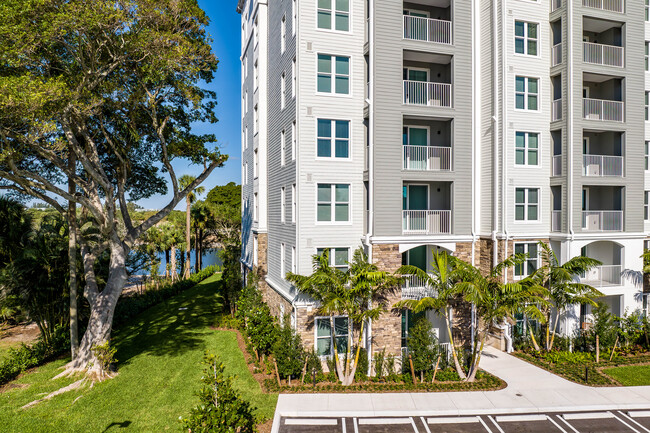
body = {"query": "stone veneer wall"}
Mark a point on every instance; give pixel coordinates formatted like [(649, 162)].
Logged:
[(387, 330)]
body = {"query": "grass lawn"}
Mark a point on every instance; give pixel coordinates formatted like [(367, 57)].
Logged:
[(631, 375), (159, 355)]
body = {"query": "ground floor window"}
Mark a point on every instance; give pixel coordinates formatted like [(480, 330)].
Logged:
[(532, 261), (409, 319), (324, 335)]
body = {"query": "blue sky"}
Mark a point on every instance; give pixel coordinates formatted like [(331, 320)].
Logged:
[(224, 30)]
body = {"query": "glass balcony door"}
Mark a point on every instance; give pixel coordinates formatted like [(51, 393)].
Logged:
[(416, 157)]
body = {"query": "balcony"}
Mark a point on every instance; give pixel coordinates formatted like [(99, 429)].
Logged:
[(556, 111), (610, 254), (427, 94), (602, 220), (557, 165), (427, 158), (602, 166), (603, 276), (604, 110), (605, 5), (425, 29), (426, 222), (556, 54), (606, 55), (556, 221), (416, 288)]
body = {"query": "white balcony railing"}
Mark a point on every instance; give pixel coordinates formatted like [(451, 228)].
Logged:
[(599, 109), (555, 5), (427, 29), (556, 54), (557, 165), (602, 165), (602, 220), (600, 54), (426, 222), (606, 5), (426, 93), (603, 276), (556, 113), (556, 221), (427, 158), (416, 288)]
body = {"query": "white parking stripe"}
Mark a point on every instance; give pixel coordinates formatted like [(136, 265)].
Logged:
[(639, 414), (495, 424), (415, 428), (569, 425), (632, 421), (626, 424), (424, 423), (589, 415), (310, 421), (356, 427), (385, 421), (344, 426), (484, 425), (555, 424), (521, 418), (453, 420)]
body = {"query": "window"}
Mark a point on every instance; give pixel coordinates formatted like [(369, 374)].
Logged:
[(647, 55), (647, 154), (334, 15), (526, 93), (255, 208), (646, 202), (294, 13), (256, 163), (256, 75), (245, 176), (338, 257), (283, 91), (532, 262), (324, 335), (283, 147), (293, 260), (526, 38), (256, 123), (293, 78), (246, 101), (526, 204), (526, 148), (283, 204), (293, 203), (255, 251), (333, 74), (282, 259), (294, 140), (647, 102), (244, 68), (333, 138), (647, 10), (333, 202), (283, 34)]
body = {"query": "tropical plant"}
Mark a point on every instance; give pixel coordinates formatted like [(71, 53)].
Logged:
[(496, 302), (360, 294), (563, 287), (422, 346), (288, 351), (184, 182), (442, 279)]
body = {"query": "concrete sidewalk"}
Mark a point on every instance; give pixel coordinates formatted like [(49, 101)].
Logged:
[(529, 390)]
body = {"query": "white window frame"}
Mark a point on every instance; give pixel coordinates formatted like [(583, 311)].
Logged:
[(283, 204), (647, 155), (333, 139), (527, 149), (256, 120), (256, 208), (333, 204), (283, 90), (524, 265), (333, 12), (646, 205), (256, 164), (294, 76), (246, 137), (293, 203), (329, 336), (332, 257), (294, 260), (256, 75), (256, 251), (283, 147), (245, 173), (282, 260), (283, 34), (526, 38), (294, 140), (527, 94), (526, 204), (294, 15), (332, 75)]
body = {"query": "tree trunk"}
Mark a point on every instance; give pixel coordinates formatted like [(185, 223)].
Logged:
[(72, 261), (173, 264), (167, 265), (557, 319), (532, 336), (459, 369), (187, 239), (102, 309), (200, 246), (339, 370), (197, 251), (477, 360)]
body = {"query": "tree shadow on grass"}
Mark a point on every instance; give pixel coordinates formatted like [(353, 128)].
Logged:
[(173, 327), (123, 424)]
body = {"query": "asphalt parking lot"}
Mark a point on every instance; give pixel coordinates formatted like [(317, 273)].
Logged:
[(613, 421)]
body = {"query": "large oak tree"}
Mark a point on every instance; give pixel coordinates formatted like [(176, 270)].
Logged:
[(103, 94)]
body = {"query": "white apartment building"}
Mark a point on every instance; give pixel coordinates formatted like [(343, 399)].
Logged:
[(475, 127)]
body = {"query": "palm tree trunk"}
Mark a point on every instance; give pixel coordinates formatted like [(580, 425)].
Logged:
[(186, 273), (477, 361), (348, 353), (174, 270), (557, 319), (459, 369), (337, 365), (197, 251), (532, 335), (548, 330), (167, 266), (356, 356)]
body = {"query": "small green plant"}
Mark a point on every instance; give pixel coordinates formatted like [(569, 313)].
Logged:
[(221, 408), (288, 351), (422, 346), (380, 361), (105, 355), (568, 357)]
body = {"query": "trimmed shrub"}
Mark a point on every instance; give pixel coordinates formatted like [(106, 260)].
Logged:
[(288, 351)]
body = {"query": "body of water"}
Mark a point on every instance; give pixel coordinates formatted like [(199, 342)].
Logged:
[(210, 258)]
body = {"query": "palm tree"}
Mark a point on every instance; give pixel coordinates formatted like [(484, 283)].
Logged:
[(360, 293), (496, 302), (442, 279), (183, 183), (563, 286)]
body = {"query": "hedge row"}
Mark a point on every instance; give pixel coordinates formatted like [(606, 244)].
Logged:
[(25, 357)]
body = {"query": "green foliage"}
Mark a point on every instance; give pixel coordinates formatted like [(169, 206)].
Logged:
[(105, 355), (604, 326), (422, 346), (288, 351), (557, 357), (230, 256), (221, 408), (256, 319)]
